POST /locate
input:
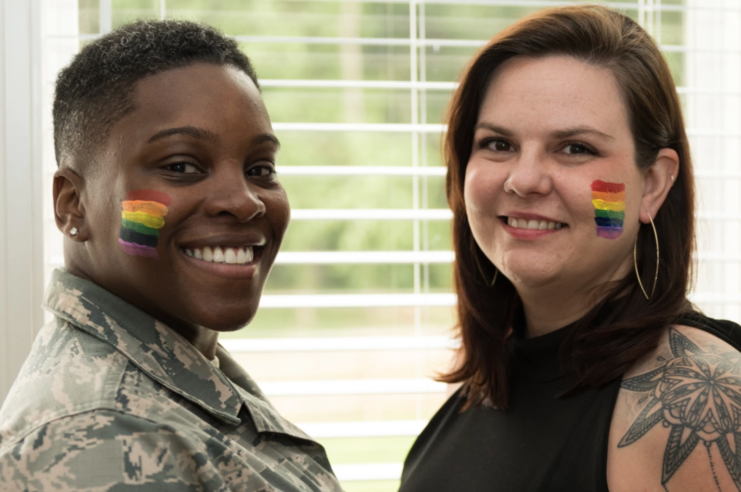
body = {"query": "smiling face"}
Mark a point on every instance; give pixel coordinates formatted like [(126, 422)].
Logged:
[(552, 189), (185, 213)]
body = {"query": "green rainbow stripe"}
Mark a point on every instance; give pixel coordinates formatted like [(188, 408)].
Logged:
[(609, 214), (140, 228)]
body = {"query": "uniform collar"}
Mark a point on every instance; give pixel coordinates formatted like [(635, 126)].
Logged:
[(153, 347), (264, 416)]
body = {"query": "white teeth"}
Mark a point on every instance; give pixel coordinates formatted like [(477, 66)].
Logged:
[(533, 224), (223, 254), (218, 255), (241, 256), (230, 256)]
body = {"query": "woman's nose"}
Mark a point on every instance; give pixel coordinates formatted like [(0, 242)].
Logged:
[(529, 175), (232, 194)]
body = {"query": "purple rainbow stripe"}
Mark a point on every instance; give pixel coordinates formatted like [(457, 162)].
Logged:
[(609, 232), (137, 249)]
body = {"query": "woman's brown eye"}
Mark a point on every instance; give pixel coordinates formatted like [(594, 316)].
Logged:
[(182, 168), (260, 171), (501, 145), (578, 149)]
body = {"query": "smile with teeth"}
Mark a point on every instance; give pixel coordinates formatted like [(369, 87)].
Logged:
[(219, 254), (541, 225)]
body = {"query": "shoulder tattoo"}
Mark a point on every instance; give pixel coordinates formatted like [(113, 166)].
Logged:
[(697, 394)]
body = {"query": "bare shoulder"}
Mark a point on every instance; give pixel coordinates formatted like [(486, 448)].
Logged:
[(677, 419)]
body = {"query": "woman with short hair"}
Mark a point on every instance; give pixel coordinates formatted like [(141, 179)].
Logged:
[(583, 365), (172, 216)]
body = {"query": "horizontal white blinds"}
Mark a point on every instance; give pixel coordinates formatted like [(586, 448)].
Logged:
[(356, 317)]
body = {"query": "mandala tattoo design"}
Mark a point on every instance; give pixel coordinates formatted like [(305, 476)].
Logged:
[(698, 395)]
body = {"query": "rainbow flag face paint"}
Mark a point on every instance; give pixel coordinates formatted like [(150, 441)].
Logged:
[(141, 220), (609, 208)]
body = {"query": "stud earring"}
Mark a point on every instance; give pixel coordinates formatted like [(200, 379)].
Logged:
[(73, 232)]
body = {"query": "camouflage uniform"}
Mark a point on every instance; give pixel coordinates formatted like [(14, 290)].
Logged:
[(112, 399)]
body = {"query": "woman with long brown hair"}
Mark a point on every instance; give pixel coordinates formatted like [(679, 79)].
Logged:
[(583, 366)]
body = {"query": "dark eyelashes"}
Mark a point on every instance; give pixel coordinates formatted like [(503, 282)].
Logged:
[(486, 143), (589, 149), (180, 167), (266, 165)]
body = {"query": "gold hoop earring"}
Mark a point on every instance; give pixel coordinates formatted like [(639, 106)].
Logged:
[(635, 260), (483, 275)]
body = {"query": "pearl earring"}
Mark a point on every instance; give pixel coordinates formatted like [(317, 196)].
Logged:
[(73, 232)]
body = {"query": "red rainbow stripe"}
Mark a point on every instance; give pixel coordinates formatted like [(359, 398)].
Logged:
[(607, 187), (149, 196)]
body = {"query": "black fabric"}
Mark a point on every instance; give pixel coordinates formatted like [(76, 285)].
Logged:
[(541, 443)]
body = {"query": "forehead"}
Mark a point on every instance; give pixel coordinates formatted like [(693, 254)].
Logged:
[(556, 91), (215, 97)]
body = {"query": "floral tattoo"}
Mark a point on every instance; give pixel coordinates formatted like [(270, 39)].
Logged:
[(698, 395)]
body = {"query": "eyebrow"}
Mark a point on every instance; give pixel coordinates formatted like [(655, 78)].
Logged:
[(191, 131), (203, 134), (266, 137), (565, 133), (581, 130)]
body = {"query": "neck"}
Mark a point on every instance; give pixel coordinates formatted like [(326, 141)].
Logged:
[(554, 305), (547, 313), (203, 339)]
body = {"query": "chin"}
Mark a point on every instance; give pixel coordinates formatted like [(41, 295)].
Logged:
[(224, 320), (530, 276)]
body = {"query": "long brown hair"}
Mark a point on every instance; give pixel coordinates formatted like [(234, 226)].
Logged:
[(603, 345)]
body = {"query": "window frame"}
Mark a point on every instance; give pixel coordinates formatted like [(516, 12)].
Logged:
[(25, 213)]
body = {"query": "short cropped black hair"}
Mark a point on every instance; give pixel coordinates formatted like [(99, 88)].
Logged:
[(95, 90)]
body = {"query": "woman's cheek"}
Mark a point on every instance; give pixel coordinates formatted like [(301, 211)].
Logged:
[(480, 190)]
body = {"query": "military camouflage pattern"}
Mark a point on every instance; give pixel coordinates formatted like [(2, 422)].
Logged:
[(110, 399)]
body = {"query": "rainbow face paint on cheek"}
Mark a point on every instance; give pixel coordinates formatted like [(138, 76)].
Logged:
[(142, 218), (609, 208)]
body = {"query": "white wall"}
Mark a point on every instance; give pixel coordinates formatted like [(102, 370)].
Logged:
[(21, 237), (713, 116)]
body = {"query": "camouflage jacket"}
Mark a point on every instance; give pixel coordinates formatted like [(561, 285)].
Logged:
[(112, 399)]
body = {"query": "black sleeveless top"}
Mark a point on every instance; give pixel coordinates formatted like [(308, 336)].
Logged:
[(541, 443)]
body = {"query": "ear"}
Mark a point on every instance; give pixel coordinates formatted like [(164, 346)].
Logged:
[(658, 180), (69, 212)]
